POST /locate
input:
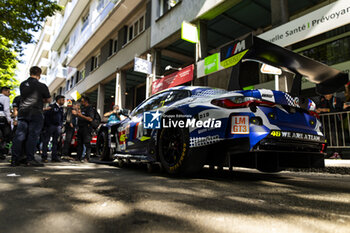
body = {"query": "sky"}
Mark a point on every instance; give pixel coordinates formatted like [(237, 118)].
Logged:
[(21, 67)]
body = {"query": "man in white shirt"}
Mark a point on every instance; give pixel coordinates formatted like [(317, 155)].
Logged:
[(5, 119)]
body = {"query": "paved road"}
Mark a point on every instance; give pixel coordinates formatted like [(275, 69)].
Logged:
[(75, 197)]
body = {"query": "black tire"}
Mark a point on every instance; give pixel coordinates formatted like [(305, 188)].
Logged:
[(102, 149), (175, 154)]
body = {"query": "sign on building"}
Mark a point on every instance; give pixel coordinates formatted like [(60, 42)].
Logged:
[(142, 66), (189, 32), (172, 80), (317, 22)]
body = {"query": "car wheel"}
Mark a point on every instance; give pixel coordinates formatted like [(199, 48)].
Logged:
[(175, 154), (102, 148)]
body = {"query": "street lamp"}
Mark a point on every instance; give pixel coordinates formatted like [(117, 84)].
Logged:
[(156, 76), (169, 67)]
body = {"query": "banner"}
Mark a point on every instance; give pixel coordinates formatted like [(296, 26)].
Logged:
[(317, 22), (183, 76)]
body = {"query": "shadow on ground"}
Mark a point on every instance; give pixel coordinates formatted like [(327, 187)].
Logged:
[(72, 197)]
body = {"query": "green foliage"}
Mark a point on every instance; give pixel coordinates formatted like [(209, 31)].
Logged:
[(18, 18), (8, 67)]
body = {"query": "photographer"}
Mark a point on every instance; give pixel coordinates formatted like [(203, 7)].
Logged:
[(113, 116)]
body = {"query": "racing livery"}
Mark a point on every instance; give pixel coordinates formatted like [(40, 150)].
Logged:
[(185, 127), (262, 129)]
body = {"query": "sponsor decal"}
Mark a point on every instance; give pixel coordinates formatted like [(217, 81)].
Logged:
[(267, 95), (240, 125), (193, 123), (231, 54), (232, 61), (203, 141), (295, 135), (151, 120)]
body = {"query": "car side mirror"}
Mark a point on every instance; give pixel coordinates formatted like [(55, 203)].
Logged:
[(125, 112)]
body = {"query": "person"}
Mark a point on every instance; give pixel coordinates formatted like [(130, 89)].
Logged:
[(54, 122), (30, 117), (113, 116), (70, 126), (15, 107), (85, 117), (5, 119), (331, 104)]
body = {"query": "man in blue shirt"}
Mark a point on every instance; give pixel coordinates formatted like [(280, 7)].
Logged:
[(113, 116)]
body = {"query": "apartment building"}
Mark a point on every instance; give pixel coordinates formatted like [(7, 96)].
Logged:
[(42, 51), (94, 42)]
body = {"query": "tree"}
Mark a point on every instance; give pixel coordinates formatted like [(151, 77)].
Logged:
[(8, 67), (18, 18)]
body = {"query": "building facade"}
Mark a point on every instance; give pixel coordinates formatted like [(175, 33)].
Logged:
[(93, 43)]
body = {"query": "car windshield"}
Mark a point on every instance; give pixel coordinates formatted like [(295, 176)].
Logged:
[(203, 92)]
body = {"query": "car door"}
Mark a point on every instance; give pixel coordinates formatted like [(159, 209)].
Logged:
[(133, 138)]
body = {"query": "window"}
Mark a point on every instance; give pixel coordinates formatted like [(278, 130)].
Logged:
[(166, 5), (136, 28), (71, 83), (330, 53), (150, 104), (81, 74), (66, 48), (115, 46), (67, 85), (101, 4), (94, 62), (85, 21), (76, 77), (160, 100)]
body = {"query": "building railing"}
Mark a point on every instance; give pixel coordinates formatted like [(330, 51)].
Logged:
[(336, 129)]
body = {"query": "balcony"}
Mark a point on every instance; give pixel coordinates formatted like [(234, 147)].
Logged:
[(56, 77), (44, 62), (114, 13), (72, 14)]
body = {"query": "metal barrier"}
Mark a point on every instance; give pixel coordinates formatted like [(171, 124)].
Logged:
[(336, 129)]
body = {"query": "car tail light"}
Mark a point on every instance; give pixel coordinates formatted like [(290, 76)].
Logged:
[(314, 114), (323, 147), (240, 102)]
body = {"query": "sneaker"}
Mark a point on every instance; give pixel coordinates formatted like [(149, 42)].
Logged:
[(335, 155), (34, 163), (14, 163)]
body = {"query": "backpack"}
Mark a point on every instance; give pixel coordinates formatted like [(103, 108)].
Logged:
[(96, 121)]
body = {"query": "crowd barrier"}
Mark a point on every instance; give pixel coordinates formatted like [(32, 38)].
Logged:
[(336, 129)]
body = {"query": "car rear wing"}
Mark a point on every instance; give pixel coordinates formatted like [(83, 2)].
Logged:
[(327, 79)]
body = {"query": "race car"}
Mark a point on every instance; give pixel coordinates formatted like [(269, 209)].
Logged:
[(183, 128), (261, 129)]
